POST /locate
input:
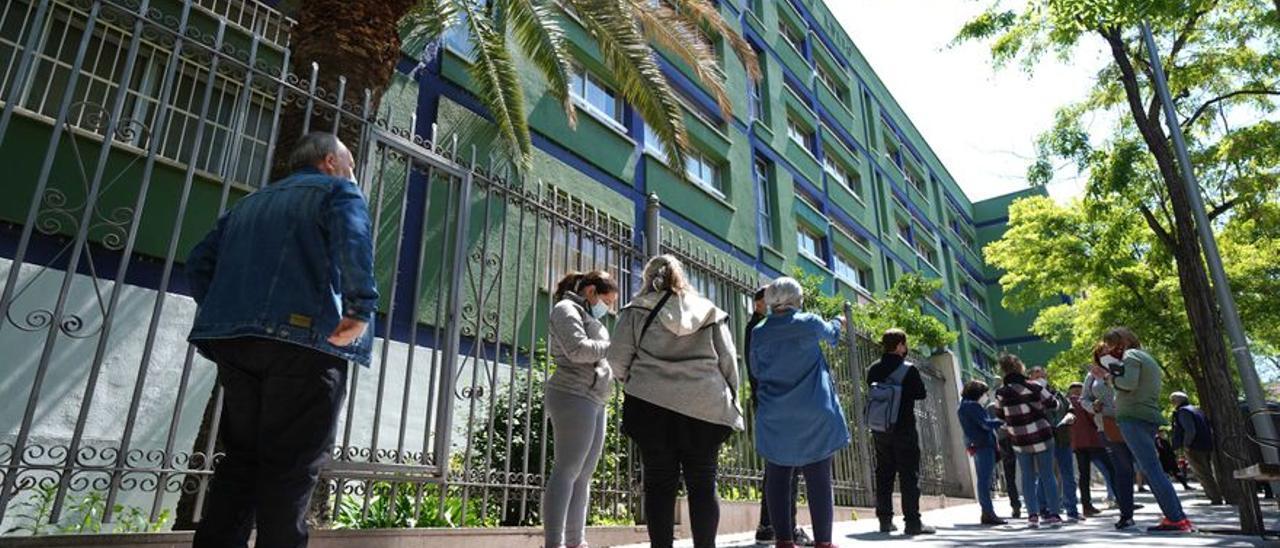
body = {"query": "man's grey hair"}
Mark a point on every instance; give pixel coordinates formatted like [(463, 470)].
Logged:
[(312, 148), (784, 293)]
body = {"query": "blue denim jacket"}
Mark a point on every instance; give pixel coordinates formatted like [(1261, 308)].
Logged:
[(288, 262)]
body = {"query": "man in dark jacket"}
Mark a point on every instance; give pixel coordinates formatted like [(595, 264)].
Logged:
[(764, 530), (898, 451), (1192, 432), (285, 295)]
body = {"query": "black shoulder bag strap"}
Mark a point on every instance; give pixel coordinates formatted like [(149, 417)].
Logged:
[(653, 315)]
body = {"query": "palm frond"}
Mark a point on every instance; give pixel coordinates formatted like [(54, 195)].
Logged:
[(498, 82), (678, 35), (426, 22), (629, 58), (706, 13), (539, 35)]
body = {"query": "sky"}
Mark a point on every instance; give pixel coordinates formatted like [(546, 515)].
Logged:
[(981, 121)]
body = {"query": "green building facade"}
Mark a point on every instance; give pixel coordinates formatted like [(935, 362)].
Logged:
[(818, 168)]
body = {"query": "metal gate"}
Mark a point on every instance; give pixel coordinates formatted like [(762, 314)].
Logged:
[(130, 125)]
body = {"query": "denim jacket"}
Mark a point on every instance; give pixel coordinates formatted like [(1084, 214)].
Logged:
[(287, 263)]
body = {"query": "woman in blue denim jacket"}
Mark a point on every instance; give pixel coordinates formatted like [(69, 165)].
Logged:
[(799, 422)]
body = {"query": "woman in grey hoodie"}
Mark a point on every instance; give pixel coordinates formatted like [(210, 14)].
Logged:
[(675, 355), (575, 401)]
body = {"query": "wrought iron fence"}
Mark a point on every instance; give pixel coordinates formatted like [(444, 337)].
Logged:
[(130, 125)]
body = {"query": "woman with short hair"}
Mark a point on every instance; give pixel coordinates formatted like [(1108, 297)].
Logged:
[(799, 423), (980, 439)]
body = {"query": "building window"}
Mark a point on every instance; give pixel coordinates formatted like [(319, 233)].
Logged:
[(651, 143), (764, 189), (847, 270), (596, 96), (904, 232), (926, 252), (809, 244), (834, 83), (703, 172), (793, 36), (801, 135), (837, 172)]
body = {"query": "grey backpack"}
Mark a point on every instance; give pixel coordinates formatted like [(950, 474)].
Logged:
[(884, 401)]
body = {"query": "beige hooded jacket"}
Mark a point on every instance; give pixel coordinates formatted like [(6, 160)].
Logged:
[(686, 362)]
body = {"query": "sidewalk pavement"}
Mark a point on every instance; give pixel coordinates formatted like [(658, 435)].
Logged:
[(957, 526)]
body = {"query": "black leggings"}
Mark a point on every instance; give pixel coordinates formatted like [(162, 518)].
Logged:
[(779, 491), (673, 445)]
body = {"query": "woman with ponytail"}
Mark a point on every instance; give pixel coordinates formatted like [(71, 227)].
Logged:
[(575, 401), (675, 355)]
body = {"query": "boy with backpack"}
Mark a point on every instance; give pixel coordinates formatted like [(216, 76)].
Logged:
[(895, 386)]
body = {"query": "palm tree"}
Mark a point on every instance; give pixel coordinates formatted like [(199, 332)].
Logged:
[(362, 41)]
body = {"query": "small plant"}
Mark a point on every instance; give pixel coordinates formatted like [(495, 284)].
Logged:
[(84, 515)]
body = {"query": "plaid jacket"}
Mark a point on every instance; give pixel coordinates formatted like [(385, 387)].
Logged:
[(1022, 405)]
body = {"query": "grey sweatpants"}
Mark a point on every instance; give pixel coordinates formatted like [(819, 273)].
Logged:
[(578, 428)]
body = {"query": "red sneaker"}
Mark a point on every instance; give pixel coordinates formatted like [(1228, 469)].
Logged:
[(1168, 525)]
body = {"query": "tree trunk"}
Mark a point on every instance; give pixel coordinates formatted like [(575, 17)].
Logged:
[(361, 42), (1218, 393), (357, 40)]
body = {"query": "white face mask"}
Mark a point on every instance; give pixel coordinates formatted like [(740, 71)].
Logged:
[(599, 309)]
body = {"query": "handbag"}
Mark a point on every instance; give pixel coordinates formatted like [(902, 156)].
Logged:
[(1111, 429)]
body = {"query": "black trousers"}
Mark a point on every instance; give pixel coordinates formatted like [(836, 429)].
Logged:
[(898, 456), (1084, 457), (672, 446), (1010, 463), (280, 409)]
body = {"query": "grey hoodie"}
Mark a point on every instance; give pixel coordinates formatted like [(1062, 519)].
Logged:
[(686, 362), (577, 344)]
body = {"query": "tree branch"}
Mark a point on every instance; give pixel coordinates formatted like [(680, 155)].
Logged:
[(1128, 77), (1255, 91), (1223, 208), (1155, 225)]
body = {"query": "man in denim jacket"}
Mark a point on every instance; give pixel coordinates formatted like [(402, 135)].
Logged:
[(285, 290)]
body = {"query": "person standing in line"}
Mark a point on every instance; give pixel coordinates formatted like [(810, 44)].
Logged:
[(1086, 443), (1193, 433), (575, 398), (800, 424), (1169, 458), (1060, 417), (898, 451), (764, 529), (1022, 407), (1138, 380), (285, 296), (1099, 397), (980, 439), (674, 354), (1008, 462)]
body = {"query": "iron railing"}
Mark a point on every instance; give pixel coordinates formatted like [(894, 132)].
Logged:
[(129, 125)]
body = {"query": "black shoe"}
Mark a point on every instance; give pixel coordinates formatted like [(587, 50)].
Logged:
[(1137, 506), (914, 529), (801, 538), (1090, 511), (887, 526), (1124, 523), (992, 519), (764, 535), (1017, 513)]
